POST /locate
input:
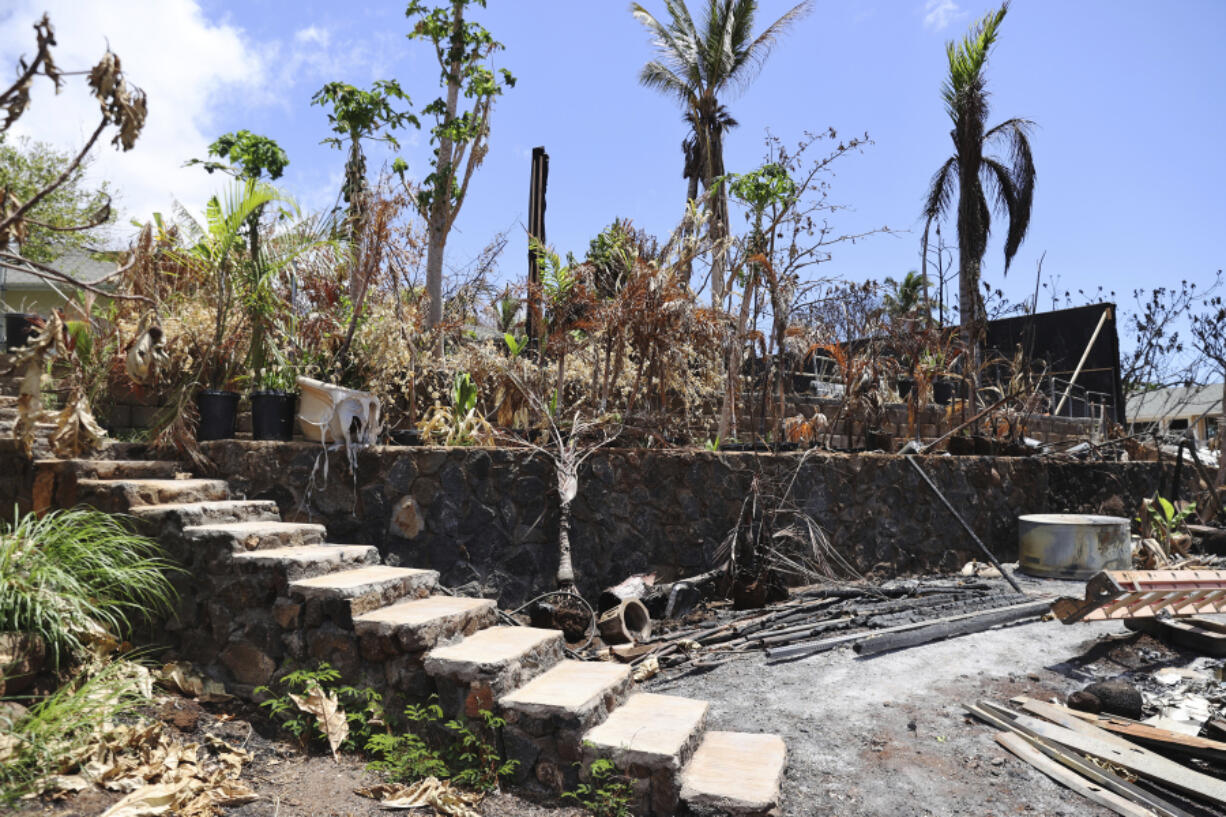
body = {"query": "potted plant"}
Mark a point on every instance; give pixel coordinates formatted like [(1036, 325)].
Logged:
[(274, 403)]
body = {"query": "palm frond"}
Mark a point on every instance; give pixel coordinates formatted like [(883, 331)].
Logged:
[(658, 77), (754, 55), (967, 58), (941, 190)]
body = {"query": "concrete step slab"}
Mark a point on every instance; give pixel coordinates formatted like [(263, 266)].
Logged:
[(121, 495), (736, 774), (652, 731), (308, 561), (649, 738), (419, 624), (495, 652), (189, 514), (118, 469), (577, 692), (474, 672), (362, 590), (244, 536)]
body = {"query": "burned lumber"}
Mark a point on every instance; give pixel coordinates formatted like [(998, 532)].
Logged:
[(950, 627), (1024, 750), (1090, 740), (1001, 718), (1152, 736)]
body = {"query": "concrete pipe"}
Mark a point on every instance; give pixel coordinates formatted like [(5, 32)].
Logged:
[(628, 622)]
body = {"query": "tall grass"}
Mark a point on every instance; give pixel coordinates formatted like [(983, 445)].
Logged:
[(72, 576), (56, 735)]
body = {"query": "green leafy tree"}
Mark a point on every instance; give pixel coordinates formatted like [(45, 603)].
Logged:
[(249, 157), (72, 216), (460, 137), (972, 175), (358, 116), (698, 67)]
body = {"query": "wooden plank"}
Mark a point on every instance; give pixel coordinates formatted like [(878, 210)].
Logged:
[(1101, 744), (935, 631), (1137, 731), (798, 650), (1003, 719), (1022, 748)]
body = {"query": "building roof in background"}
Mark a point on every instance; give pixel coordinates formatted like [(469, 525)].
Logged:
[(78, 263), (1175, 403)]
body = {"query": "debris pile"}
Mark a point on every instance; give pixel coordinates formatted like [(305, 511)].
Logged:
[(870, 618)]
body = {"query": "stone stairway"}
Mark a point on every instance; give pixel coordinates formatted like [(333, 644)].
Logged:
[(260, 593)]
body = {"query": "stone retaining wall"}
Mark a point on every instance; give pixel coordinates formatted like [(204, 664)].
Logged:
[(490, 515)]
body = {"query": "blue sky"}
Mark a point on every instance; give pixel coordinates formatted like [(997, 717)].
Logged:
[(1128, 98)]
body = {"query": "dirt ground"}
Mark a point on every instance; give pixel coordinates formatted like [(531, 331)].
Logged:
[(866, 737), (886, 735)]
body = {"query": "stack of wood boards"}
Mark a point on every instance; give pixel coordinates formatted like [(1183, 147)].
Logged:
[(1131, 768)]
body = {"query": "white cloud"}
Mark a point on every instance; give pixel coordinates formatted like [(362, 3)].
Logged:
[(191, 67), (186, 64), (313, 34), (938, 14)]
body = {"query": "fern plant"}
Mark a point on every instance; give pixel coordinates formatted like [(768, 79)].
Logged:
[(72, 577)]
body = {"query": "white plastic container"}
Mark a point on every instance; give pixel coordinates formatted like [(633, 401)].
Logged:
[(334, 414)]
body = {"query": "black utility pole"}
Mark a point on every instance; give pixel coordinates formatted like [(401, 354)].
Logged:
[(536, 229)]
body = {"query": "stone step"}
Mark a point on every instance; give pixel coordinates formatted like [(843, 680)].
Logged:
[(308, 561), (118, 469), (574, 690), (243, 536), (121, 495), (474, 672), (548, 716), (342, 596), (419, 624), (736, 774), (650, 738), (181, 515)]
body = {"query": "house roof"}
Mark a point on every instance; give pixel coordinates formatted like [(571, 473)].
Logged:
[(78, 263), (1176, 403)]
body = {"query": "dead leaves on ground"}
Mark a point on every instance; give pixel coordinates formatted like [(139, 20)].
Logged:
[(159, 774), (431, 792), (328, 713)]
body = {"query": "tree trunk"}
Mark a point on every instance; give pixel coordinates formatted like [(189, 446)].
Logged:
[(566, 569), (441, 205), (719, 215)]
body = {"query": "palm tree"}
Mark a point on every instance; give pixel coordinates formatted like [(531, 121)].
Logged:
[(698, 67), (908, 297), (974, 175)]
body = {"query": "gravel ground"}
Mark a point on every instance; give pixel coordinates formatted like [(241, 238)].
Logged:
[(886, 735)]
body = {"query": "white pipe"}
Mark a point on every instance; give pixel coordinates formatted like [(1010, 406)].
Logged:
[(1082, 362)]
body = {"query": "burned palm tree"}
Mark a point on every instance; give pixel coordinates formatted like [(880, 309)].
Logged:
[(981, 182)]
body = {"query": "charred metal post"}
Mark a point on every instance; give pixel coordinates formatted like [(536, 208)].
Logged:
[(536, 229)]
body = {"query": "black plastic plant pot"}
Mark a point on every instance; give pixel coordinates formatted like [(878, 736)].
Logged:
[(218, 414), (18, 326), (406, 436), (905, 385), (272, 415), (942, 392)]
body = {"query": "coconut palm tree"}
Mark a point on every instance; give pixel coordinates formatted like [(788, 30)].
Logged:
[(698, 67), (973, 175)]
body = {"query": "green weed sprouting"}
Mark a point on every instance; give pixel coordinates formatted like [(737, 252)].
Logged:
[(609, 793), (464, 756), (363, 707), (72, 576)]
